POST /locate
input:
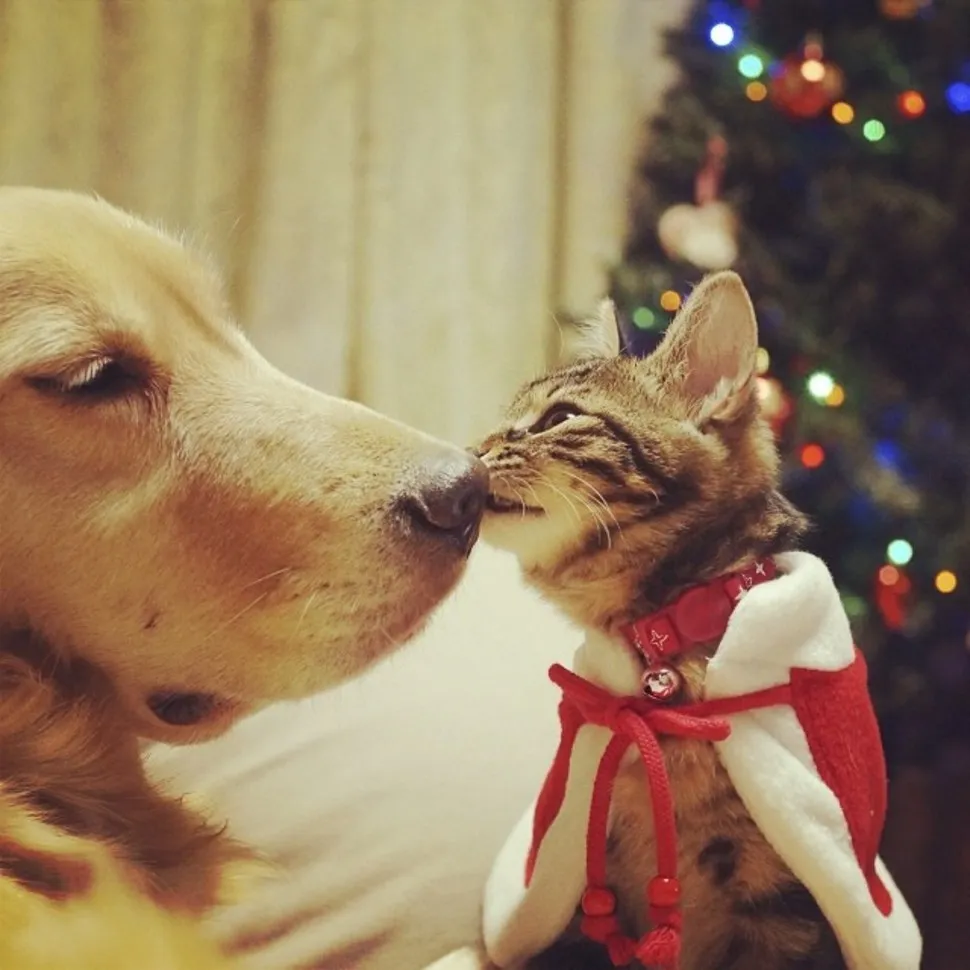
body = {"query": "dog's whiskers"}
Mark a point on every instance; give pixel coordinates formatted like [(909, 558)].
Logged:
[(302, 617), (232, 619), (272, 575)]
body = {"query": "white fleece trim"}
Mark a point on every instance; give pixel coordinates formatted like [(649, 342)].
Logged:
[(796, 620)]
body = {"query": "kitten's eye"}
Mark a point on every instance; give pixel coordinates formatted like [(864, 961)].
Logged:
[(99, 379), (558, 414)]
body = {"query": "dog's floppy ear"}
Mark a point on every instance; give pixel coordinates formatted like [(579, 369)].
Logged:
[(708, 354), (57, 875), (597, 336)]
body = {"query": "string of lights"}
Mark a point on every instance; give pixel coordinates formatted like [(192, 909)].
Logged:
[(823, 124)]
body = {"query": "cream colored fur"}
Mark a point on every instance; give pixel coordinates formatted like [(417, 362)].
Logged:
[(221, 530)]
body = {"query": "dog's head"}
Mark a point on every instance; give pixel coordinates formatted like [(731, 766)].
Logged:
[(210, 533)]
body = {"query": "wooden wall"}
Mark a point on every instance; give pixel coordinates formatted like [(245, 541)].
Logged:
[(402, 192)]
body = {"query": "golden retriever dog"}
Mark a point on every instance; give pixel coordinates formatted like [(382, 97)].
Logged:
[(186, 534)]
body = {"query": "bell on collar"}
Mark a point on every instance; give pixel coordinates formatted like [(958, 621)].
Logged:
[(661, 683)]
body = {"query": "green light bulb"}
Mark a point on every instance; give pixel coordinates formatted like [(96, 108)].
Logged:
[(899, 552), (751, 66)]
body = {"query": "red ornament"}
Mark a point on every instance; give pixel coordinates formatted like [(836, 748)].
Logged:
[(892, 596), (901, 9), (805, 84), (911, 104)]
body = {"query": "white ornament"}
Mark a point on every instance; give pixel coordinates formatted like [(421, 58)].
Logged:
[(703, 235)]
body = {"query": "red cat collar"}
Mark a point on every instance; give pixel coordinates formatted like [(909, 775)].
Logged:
[(699, 615)]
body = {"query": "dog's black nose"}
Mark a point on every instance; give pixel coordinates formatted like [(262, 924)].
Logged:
[(449, 497)]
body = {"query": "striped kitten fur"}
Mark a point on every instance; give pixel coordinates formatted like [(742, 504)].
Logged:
[(618, 482)]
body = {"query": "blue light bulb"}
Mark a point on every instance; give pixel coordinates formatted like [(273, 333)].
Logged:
[(958, 97)]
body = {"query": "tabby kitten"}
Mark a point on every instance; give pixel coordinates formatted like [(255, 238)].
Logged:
[(618, 482)]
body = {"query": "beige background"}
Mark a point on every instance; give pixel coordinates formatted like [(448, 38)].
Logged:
[(402, 193)]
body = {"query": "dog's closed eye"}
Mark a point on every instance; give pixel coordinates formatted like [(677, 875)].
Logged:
[(98, 378)]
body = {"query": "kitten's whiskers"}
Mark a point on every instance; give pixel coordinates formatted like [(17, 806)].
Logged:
[(597, 496), (507, 482), (570, 503), (594, 514)]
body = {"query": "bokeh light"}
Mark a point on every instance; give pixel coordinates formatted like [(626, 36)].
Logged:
[(958, 97), (946, 581), (911, 104), (813, 70), (888, 576), (812, 455), (670, 300), (899, 552), (644, 318), (842, 112), (836, 397), (751, 66), (820, 385), (722, 35)]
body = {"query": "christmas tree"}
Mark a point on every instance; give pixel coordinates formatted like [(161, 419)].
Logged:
[(821, 148)]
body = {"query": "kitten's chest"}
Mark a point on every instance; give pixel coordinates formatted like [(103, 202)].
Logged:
[(721, 854)]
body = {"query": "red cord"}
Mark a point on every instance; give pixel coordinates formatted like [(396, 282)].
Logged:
[(638, 721)]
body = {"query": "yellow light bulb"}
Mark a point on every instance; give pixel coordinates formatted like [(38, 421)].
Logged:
[(842, 112), (670, 300), (946, 581), (756, 91), (836, 397), (813, 70)]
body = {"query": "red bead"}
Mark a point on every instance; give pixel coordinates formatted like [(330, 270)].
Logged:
[(664, 892), (598, 901)]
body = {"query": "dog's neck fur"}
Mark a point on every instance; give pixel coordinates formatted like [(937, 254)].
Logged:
[(70, 757)]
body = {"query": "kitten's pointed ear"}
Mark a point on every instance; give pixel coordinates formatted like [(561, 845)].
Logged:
[(598, 336), (710, 349)]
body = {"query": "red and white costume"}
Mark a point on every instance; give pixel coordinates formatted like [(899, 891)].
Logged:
[(787, 709)]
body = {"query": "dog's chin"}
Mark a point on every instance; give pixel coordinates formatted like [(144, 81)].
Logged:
[(179, 715)]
